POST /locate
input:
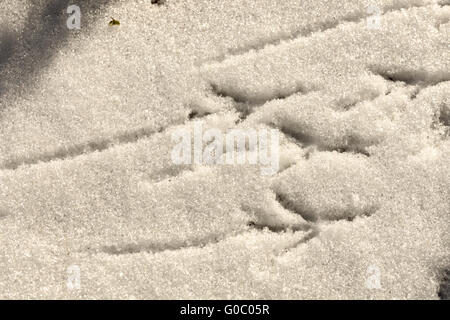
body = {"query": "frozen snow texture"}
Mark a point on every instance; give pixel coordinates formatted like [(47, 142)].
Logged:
[(86, 119)]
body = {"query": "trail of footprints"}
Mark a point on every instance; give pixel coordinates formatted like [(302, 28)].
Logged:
[(314, 197), (336, 180)]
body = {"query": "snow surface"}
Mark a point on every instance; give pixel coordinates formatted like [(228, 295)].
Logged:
[(86, 177)]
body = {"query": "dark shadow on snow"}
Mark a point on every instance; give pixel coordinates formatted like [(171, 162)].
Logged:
[(24, 55)]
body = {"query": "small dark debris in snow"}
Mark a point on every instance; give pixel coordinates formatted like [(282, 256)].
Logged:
[(114, 22), (158, 2)]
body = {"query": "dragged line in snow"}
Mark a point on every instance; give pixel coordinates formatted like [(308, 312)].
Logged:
[(290, 206), (255, 101), (305, 140), (82, 148), (278, 228), (261, 222), (149, 247), (306, 31), (194, 114), (98, 145), (421, 78), (312, 216), (313, 233), (153, 248), (145, 247), (245, 105), (347, 106), (302, 139)]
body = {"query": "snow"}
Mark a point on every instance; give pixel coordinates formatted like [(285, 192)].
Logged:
[(87, 178)]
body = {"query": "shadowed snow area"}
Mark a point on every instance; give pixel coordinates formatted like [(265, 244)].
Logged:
[(87, 179)]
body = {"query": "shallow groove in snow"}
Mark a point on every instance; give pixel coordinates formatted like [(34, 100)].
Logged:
[(134, 248), (306, 32), (97, 145)]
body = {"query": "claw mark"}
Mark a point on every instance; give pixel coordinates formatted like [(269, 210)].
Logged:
[(290, 206), (313, 233), (312, 217), (422, 78), (272, 223), (304, 140), (194, 114), (245, 104), (278, 229), (151, 247), (366, 213)]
